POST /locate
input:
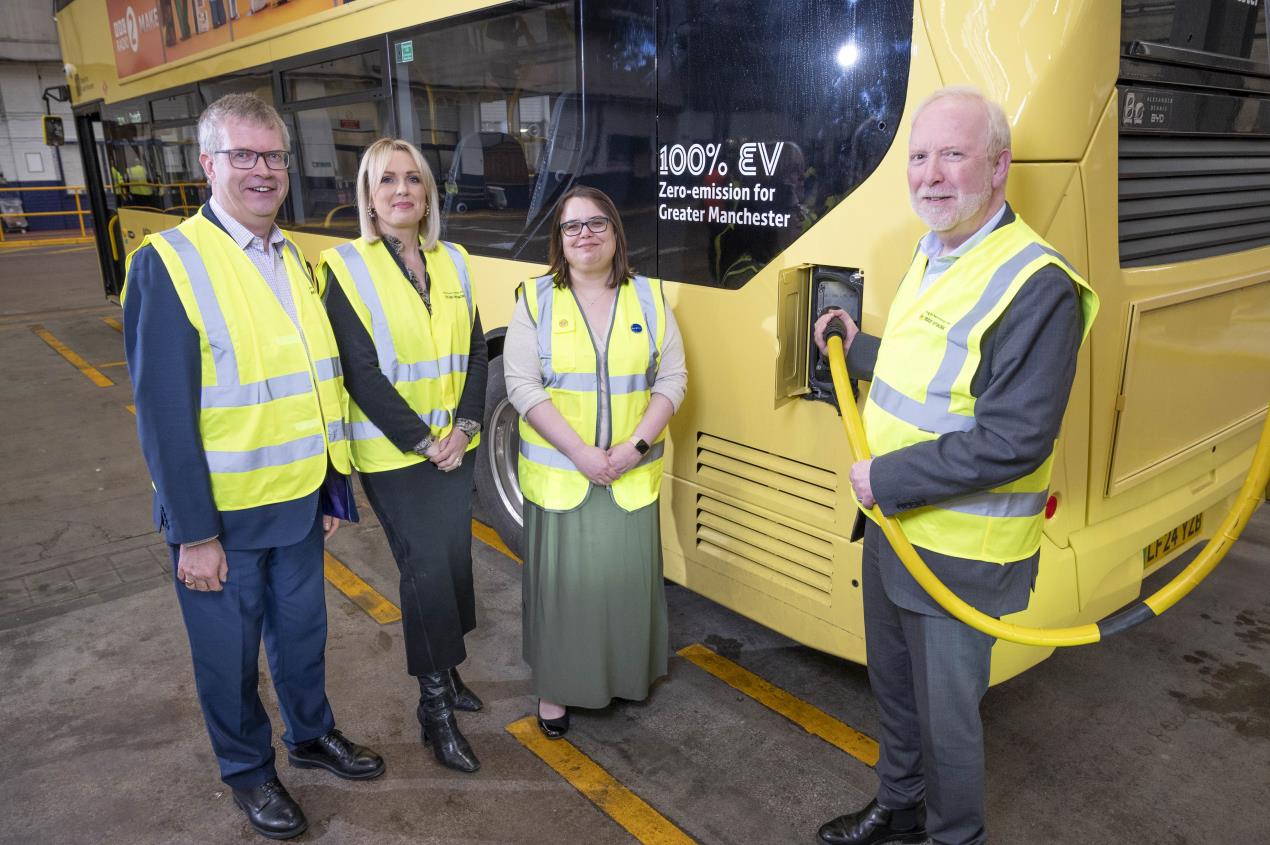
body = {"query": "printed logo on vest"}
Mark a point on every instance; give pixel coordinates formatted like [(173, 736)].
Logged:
[(564, 323), (935, 320), (637, 328)]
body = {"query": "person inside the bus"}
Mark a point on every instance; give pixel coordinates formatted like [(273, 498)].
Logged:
[(414, 360), (969, 383), (220, 315), (594, 364)]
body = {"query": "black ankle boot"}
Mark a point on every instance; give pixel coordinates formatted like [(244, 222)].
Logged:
[(464, 698), (439, 729)]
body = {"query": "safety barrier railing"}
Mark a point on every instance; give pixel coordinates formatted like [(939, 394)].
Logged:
[(60, 237)]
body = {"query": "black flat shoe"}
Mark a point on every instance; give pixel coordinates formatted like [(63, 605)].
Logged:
[(554, 728), (876, 824), (464, 698), (271, 811), (335, 753)]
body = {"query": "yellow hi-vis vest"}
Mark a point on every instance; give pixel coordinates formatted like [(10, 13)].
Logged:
[(921, 388), (271, 404), (423, 355), (570, 374)]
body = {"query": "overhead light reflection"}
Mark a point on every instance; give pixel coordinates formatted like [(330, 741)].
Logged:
[(848, 54)]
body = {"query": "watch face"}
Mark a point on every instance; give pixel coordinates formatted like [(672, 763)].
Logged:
[(641, 447)]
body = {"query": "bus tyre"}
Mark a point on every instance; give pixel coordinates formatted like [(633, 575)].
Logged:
[(497, 486)]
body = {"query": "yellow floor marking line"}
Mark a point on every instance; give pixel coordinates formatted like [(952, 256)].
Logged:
[(91, 372), (113, 364), (810, 718), (362, 594), (113, 323), (132, 409), (490, 537), (602, 789)]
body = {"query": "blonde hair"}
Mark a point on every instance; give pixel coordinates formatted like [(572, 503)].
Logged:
[(998, 126), (374, 163)]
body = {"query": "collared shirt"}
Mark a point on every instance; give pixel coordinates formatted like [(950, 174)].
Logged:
[(936, 264), (265, 254)]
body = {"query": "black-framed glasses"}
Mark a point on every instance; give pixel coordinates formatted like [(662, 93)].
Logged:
[(573, 228), (246, 159)]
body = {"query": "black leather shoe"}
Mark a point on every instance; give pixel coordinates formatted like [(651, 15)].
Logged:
[(553, 728), (464, 698), (437, 726), (337, 755), (875, 824), (271, 811)]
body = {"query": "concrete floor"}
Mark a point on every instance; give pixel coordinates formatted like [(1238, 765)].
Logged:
[(1160, 736)]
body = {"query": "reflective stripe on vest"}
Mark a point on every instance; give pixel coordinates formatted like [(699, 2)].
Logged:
[(426, 384), (270, 409), (229, 392), (934, 415), (548, 478), (998, 525)]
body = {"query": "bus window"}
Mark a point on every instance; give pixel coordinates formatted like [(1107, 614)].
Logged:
[(754, 146), (335, 109), (129, 150), (182, 185), (483, 100), (259, 83)]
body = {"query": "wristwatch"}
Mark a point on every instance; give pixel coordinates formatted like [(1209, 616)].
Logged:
[(469, 427), (421, 448), (640, 444)]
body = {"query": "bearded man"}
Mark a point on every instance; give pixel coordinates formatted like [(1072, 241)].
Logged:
[(969, 382)]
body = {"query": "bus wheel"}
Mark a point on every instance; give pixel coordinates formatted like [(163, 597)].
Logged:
[(496, 481)]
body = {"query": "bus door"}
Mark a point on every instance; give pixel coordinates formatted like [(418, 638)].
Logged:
[(99, 185)]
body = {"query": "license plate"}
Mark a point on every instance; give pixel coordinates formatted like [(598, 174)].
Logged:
[(1171, 540)]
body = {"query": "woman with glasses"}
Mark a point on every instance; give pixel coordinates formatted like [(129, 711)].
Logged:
[(414, 361), (595, 366)]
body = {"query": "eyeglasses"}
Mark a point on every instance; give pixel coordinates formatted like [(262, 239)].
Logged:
[(246, 159), (573, 228)]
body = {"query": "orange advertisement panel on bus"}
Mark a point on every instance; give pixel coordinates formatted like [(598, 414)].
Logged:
[(149, 33)]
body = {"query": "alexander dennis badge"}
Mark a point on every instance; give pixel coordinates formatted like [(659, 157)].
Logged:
[(637, 328)]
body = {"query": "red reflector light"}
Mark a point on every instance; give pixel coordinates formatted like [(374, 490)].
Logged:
[(1051, 505)]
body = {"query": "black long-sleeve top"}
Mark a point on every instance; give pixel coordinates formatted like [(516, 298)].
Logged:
[(371, 389)]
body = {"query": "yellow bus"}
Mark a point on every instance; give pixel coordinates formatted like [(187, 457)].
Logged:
[(757, 152)]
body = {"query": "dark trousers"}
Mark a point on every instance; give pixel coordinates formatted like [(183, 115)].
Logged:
[(928, 674), (427, 516), (279, 593)]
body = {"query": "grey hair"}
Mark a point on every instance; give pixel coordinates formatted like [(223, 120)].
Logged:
[(245, 107), (998, 126), (374, 162)]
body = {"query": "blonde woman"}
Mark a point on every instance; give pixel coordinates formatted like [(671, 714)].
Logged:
[(414, 359)]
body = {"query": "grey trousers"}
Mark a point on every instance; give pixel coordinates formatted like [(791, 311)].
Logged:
[(928, 675)]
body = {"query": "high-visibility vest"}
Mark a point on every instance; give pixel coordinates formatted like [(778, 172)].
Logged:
[(423, 355), (138, 181), (570, 375), (929, 354), (271, 412)]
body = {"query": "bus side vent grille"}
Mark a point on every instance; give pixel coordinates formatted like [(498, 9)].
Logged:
[(1183, 198), (777, 551), (774, 482)]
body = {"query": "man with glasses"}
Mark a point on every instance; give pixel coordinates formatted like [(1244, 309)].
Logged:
[(238, 400)]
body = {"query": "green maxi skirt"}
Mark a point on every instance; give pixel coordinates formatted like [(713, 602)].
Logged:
[(594, 605)]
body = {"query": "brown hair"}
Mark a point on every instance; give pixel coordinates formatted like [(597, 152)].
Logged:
[(559, 268)]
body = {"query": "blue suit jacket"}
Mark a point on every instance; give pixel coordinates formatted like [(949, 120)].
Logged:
[(162, 348)]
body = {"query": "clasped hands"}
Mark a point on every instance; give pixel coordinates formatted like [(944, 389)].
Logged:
[(604, 466), (447, 453)]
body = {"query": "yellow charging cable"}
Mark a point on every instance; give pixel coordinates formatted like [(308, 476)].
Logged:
[(1206, 561)]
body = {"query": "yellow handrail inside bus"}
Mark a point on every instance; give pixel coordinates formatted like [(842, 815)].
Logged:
[(1206, 561)]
